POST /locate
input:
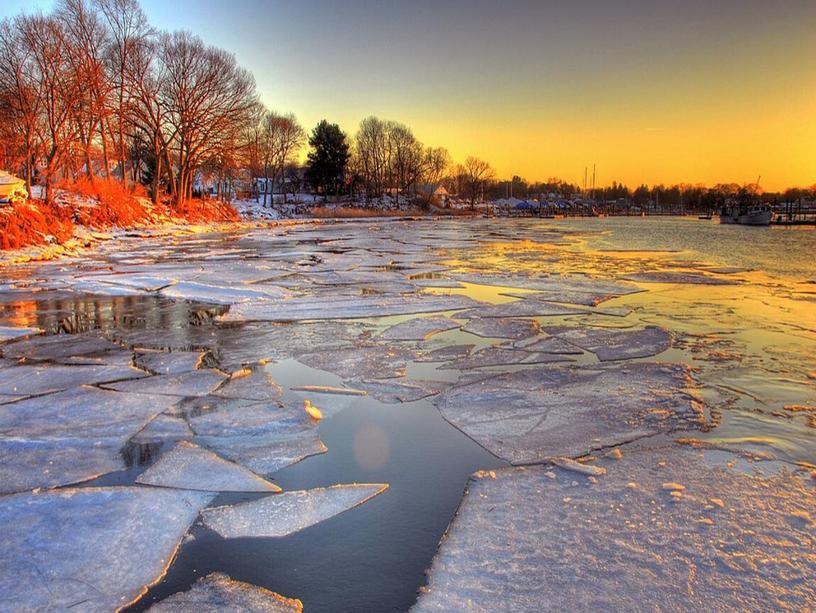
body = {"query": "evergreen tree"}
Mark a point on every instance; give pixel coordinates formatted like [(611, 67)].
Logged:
[(328, 159)]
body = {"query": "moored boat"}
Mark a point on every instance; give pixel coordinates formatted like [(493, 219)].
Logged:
[(746, 215), (12, 189)]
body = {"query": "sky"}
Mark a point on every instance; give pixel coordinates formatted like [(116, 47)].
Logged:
[(648, 91)]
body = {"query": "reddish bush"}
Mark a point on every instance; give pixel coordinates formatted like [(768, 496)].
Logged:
[(110, 204), (206, 211), (30, 223)]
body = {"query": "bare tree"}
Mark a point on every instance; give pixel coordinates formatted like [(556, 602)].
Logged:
[(478, 174), (435, 162)]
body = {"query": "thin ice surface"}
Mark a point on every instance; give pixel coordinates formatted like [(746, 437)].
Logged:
[(392, 391), (363, 362), (282, 514), (523, 308), (498, 327), (611, 345), (8, 333), (679, 277), (194, 383), (96, 549), (163, 363), (217, 592), (322, 307), (34, 379), (541, 539), (164, 428), (187, 466), (418, 329), (530, 415), (501, 356)]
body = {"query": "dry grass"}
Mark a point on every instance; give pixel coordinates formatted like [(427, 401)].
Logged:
[(32, 223)]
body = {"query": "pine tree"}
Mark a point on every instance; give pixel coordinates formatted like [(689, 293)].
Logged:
[(328, 159)]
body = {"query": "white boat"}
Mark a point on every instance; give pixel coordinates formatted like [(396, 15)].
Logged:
[(12, 189), (747, 215)]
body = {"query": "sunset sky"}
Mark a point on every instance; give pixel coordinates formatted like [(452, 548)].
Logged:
[(649, 90)]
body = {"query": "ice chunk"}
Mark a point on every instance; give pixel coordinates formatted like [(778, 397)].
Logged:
[(447, 353), (567, 296), (250, 384), (523, 308), (59, 346), (194, 383), (213, 294), (164, 428), (418, 329), (553, 344), (497, 327), (501, 356), (217, 592), (283, 514), (31, 379), (530, 415), (8, 333), (392, 391), (611, 345), (84, 412), (530, 539), (163, 363), (262, 437), (322, 307), (27, 464), (187, 466), (362, 362), (679, 277), (89, 549)]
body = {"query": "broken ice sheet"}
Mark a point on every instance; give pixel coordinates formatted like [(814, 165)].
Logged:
[(27, 464), (679, 277), (76, 547), (163, 428), (529, 415), (418, 329), (217, 592), (262, 437), (446, 353), (323, 307), (392, 391), (193, 383), (552, 344), (611, 345), (362, 362), (9, 333), (164, 363), (213, 294), (501, 356), (289, 512), (523, 308), (31, 379), (250, 384), (59, 346), (498, 327), (189, 467), (528, 539)]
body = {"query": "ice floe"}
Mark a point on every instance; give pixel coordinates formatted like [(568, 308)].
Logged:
[(163, 428), (535, 539), (392, 391), (362, 362), (9, 333), (217, 592), (163, 363), (501, 356), (187, 466), (289, 512), (498, 327), (75, 548), (523, 308), (679, 277), (418, 329), (609, 344), (193, 383), (529, 415)]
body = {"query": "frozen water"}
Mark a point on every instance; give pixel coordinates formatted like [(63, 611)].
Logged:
[(523, 308), (214, 294), (322, 307), (262, 437), (194, 383), (289, 512), (497, 327), (164, 428), (217, 592), (84, 412), (251, 384), (59, 347), (363, 362), (31, 379), (8, 333), (89, 549), (418, 329), (392, 391), (500, 356), (187, 466), (447, 353), (27, 464), (679, 277), (611, 345), (162, 363), (541, 539), (529, 415), (553, 344)]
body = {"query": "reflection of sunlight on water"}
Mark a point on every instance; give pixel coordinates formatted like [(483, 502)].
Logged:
[(372, 447)]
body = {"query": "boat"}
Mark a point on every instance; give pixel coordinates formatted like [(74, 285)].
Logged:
[(12, 189), (746, 215)]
